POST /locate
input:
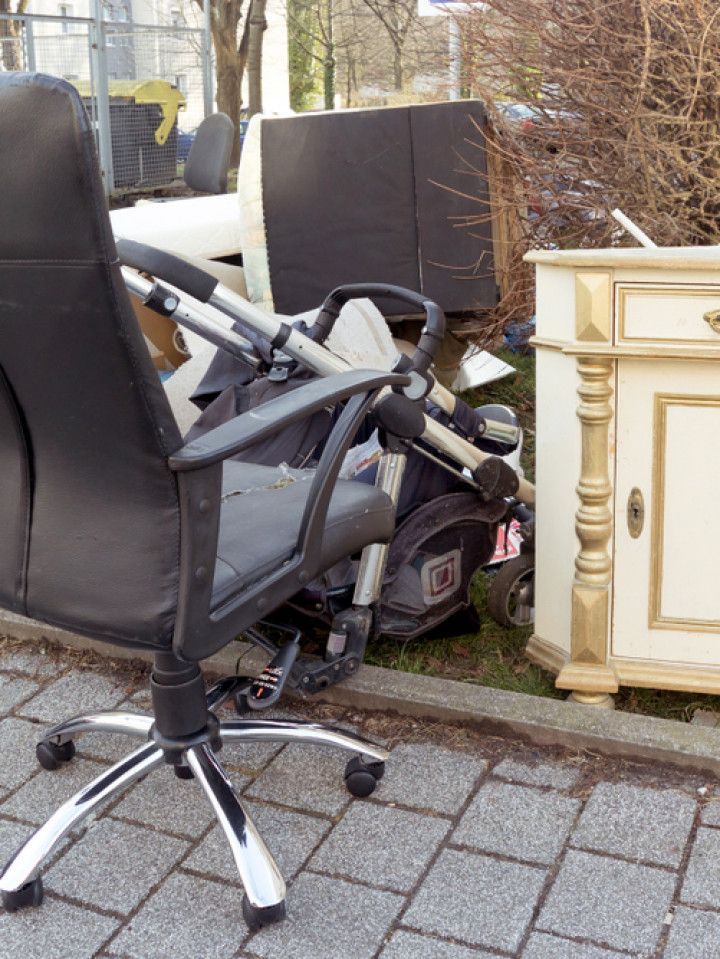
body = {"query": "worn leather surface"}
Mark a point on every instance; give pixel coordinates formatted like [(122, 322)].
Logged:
[(88, 505), (260, 520)]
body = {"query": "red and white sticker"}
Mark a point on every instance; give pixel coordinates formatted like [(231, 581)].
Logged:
[(514, 540)]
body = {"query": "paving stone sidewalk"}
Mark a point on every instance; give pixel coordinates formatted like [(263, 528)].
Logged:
[(470, 847)]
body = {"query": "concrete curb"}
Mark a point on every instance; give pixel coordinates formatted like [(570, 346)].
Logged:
[(547, 722)]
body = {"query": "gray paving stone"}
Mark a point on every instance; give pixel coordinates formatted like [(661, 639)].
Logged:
[(702, 878), (538, 774), (693, 933), (542, 946), (31, 661), (710, 815), (110, 747), (12, 835), (381, 846), (186, 918), (250, 758), (14, 690), (637, 823), (75, 693), (290, 837), (171, 804), (426, 777), (55, 931), (409, 945), (17, 747), (617, 904), (327, 919), (476, 899), (517, 821), (114, 865), (38, 799), (305, 777)]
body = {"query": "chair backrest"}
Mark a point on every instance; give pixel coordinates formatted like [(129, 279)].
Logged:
[(88, 505), (381, 194), (206, 168)]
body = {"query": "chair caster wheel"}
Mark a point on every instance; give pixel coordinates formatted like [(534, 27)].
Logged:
[(31, 894), (53, 755), (258, 916), (183, 772), (361, 778)]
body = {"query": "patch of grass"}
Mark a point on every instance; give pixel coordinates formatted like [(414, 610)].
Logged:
[(518, 392), (495, 656), (491, 657)]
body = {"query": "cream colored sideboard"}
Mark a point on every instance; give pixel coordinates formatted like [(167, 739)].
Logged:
[(628, 469)]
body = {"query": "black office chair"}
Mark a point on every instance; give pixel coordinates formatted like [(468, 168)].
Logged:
[(206, 168), (115, 529)]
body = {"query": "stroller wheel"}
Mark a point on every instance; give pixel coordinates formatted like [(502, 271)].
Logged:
[(510, 599)]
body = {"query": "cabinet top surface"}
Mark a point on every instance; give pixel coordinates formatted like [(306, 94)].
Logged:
[(673, 257)]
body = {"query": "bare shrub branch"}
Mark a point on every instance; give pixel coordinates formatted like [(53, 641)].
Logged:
[(618, 105)]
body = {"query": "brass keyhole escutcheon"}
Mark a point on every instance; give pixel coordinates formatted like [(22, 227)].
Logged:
[(635, 512), (712, 318)]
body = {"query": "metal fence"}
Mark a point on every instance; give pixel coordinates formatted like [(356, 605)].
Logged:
[(146, 87)]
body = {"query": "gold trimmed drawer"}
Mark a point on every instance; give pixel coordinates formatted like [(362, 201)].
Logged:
[(666, 312)]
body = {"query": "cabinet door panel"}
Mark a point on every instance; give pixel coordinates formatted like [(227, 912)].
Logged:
[(666, 595)]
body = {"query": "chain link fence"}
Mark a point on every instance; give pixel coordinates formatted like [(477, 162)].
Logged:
[(145, 87)]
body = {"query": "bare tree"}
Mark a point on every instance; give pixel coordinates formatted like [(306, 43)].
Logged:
[(232, 23), (598, 106), (327, 32), (257, 24), (396, 17)]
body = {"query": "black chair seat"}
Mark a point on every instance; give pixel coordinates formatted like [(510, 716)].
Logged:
[(260, 521)]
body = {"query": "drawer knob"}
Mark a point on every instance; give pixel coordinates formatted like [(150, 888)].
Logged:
[(635, 512), (712, 318)]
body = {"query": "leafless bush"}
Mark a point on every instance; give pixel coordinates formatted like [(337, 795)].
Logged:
[(597, 105)]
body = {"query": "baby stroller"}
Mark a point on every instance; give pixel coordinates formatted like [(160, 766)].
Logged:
[(443, 466)]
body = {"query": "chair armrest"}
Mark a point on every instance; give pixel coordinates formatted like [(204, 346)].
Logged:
[(269, 418)]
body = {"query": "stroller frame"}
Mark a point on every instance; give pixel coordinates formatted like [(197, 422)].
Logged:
[(205, 315)]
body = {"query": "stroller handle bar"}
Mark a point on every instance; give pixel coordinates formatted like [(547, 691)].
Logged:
[(430, 338), (165, 301), (296, 344), (202, 286)]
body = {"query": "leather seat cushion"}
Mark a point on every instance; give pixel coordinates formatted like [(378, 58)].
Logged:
[(260, 520)]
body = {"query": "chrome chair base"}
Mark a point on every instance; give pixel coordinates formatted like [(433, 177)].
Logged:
[(20, 883)]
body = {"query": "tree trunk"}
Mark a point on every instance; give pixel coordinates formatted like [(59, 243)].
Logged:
[(230, 66), (329, 63), (398, 68), (329, 79), (257, 26), (10, 40)]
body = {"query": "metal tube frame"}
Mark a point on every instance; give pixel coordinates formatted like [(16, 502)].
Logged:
[(321, 360), (263, 883), (373, 559), (102, 96)]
